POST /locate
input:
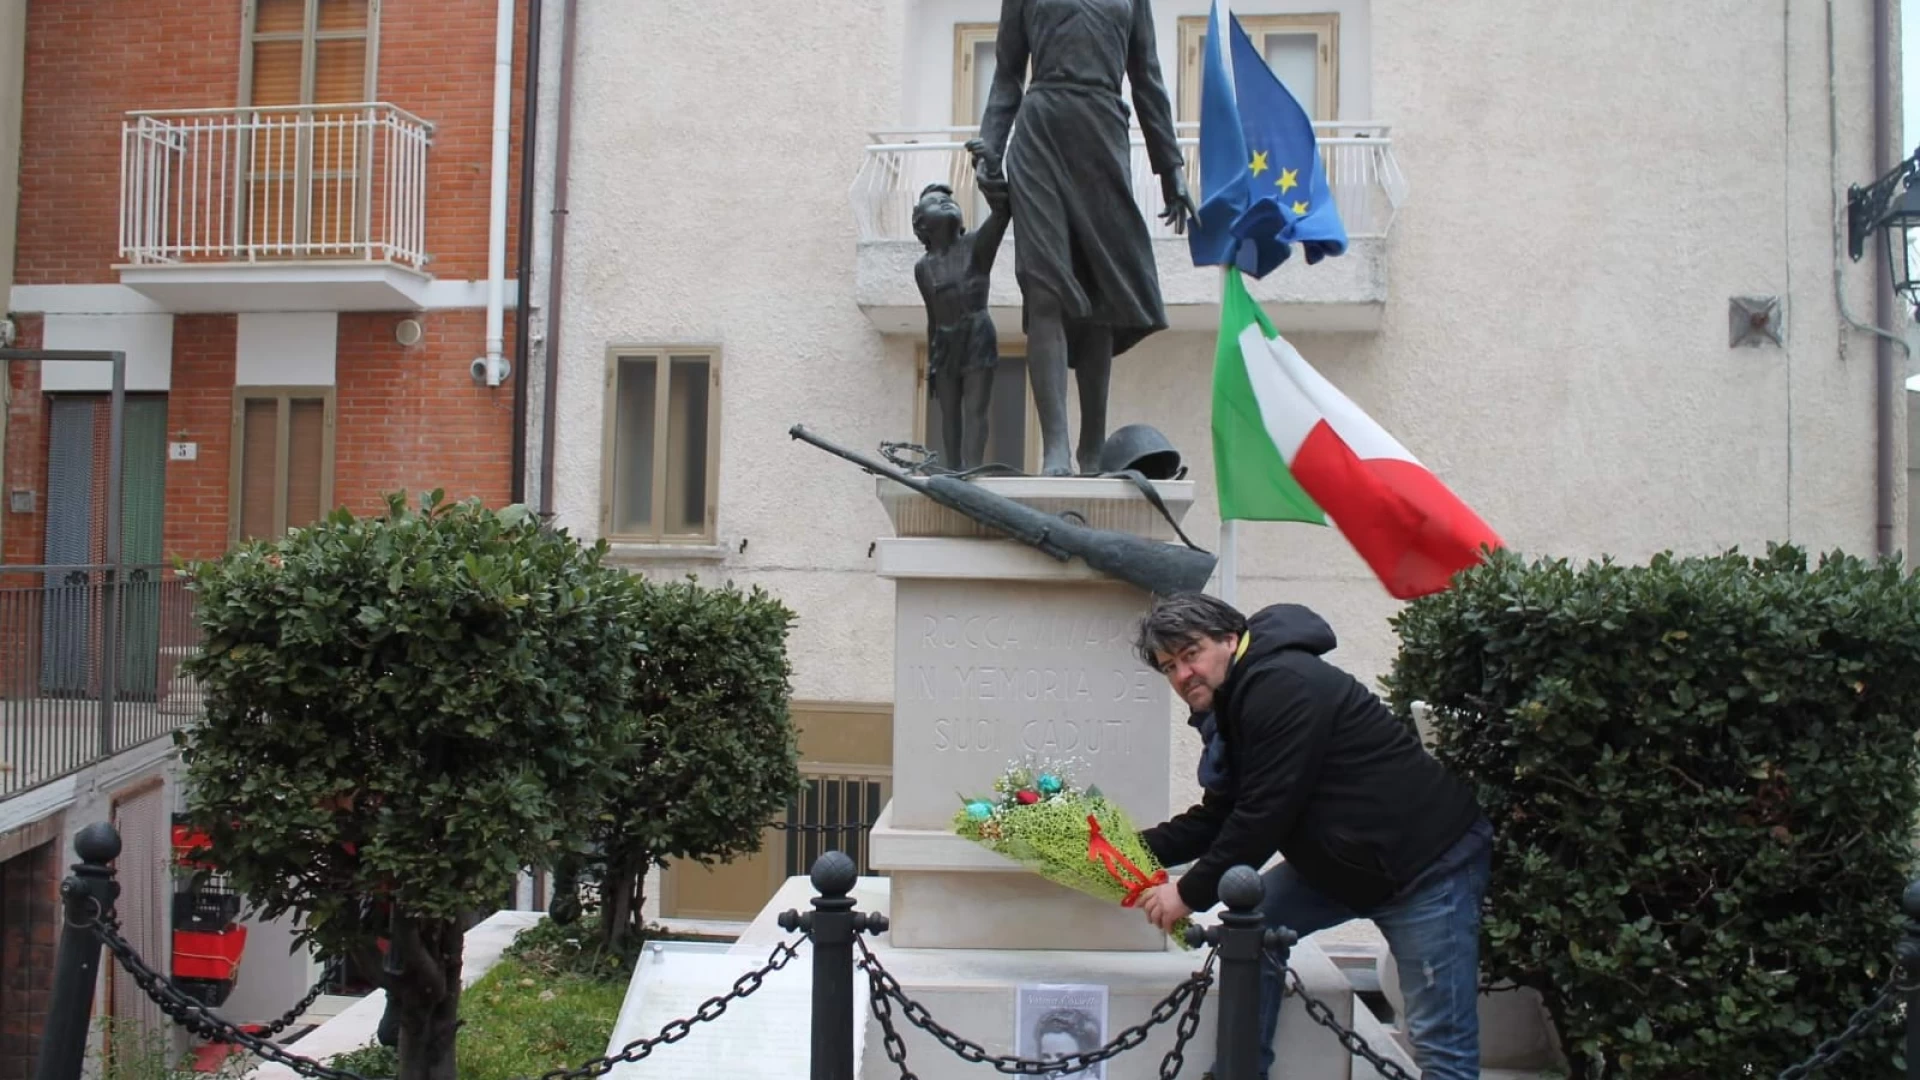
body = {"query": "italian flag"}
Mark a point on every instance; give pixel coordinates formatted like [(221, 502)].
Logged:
[(1289, 446)]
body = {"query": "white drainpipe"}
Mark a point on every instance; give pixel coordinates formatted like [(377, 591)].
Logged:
[(493, 368)]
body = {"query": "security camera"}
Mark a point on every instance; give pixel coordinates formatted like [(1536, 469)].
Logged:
[(8, 332)]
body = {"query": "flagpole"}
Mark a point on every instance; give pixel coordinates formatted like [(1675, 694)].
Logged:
[(1229, 529), (1230, 562)]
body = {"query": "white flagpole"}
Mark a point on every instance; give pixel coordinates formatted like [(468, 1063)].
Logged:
[(1230, 562), (1229, 566), (1229, 530)]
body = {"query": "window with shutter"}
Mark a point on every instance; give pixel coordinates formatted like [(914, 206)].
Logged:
[(282, 461), (660, 464), (1302, 49), (307, 192)]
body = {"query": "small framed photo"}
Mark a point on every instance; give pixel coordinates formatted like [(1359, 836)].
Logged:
[(1053, 1022)]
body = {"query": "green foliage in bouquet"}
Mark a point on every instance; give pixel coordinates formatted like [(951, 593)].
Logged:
[(1040, 819)]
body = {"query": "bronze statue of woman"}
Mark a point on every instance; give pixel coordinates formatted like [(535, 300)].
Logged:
[(1082, 255)]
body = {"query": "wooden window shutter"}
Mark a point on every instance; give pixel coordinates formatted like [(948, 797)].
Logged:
[(259, 471), (306, 452), (277, 61)]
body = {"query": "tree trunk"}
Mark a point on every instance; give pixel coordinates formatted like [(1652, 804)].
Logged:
[(427, 995), (623, 902), (616, 904)]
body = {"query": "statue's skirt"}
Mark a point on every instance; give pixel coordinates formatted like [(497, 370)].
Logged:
[(1078, 232)]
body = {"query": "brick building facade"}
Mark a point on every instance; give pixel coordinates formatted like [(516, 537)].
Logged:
[(281, 212), (29, 936), (404, 416)]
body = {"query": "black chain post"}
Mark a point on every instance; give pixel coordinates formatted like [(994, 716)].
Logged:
[(1908, 954), (1244, 943), (87, 897), (833, 925)]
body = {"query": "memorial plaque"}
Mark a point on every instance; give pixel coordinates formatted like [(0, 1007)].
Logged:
[(988, 673)]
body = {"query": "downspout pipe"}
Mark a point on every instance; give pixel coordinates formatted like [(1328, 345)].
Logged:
[(492, 369), (523, 274), (557, 259), (1885, 384)]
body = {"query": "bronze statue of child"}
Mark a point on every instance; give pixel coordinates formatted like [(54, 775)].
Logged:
[(953, 275)]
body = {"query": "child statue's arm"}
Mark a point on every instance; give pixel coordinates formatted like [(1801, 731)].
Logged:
[(993, 187)]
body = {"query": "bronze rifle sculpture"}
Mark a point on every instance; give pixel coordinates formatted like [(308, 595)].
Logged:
[(1159, 568)]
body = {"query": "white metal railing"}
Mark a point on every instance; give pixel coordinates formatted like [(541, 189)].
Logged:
[(273, 183), (1362, 173)]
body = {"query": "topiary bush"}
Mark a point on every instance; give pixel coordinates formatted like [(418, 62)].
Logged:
[(709, 755), (401, 712), (1702, 777)]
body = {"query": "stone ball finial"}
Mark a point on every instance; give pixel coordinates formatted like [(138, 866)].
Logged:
[(1910, 900), (1241, 889), (98, 843), (834, 874)]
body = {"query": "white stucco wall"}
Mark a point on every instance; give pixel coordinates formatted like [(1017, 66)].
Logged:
[(1590, 186)]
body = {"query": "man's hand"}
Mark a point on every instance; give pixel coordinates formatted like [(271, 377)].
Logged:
[(1163, 906)]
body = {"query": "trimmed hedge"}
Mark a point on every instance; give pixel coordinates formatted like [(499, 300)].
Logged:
[(710, 756), (401, 712), (1702, 777)]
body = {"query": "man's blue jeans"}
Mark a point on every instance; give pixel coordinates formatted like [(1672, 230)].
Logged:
[(1433, 929)]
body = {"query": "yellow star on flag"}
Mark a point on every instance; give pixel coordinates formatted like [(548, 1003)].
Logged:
[(1259, 162), (1300, 207), (1289, 179)]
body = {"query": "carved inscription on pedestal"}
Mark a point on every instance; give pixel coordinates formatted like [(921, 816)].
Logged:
[(990, 673)]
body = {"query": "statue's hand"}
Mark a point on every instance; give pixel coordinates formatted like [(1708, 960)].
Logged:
[(995, 192), (986, 164), (987, 174), (1179, 205)]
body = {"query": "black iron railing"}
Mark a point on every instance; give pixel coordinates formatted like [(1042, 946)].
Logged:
[(90, 665)]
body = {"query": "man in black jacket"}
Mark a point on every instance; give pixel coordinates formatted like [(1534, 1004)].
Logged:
[(1301, 759)]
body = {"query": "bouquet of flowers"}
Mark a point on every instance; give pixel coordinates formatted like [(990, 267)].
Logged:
[(1071, 836)]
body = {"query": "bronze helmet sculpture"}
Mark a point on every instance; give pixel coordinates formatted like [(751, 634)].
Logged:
[(1143, 449)]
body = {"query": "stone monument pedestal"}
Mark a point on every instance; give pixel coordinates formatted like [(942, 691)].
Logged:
[(1003, 655)]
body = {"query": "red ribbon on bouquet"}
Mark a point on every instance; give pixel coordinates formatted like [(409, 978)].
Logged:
[(1137, 881)]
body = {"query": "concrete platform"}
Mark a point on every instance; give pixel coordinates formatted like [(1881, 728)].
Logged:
[(971, 991)]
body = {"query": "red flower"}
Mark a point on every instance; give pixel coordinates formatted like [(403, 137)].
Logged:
[(1027, 796)]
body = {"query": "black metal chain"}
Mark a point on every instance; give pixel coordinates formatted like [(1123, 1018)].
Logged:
[(1321, 1014), (885, 991), (196, 1018), (675, 1030), (288, 1018), (1830, 1048)]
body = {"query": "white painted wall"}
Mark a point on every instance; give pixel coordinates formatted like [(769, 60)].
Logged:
[(146, 340), (296, 348), (1590, 184)]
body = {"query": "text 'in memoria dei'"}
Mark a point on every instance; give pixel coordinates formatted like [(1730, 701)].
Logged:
[(1057, 698)]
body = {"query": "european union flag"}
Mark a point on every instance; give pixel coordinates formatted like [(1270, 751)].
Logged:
[(1262, 184)]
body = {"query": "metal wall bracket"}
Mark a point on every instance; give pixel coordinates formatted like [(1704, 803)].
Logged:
[(1753, 321)]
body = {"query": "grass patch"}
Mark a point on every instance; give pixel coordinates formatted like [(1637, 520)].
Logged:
[(519, 1021), (575, 948)]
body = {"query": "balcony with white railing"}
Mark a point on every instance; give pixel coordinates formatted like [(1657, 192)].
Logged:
[(276, 208), (1347, 293)]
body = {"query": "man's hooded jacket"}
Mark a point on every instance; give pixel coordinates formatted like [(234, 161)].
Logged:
[(1302, 759)]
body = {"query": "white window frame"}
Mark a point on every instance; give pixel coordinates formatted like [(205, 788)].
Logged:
[(1324, 25), (662, 356)]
